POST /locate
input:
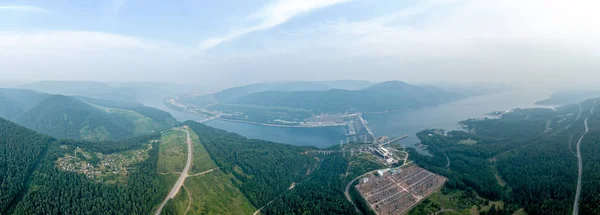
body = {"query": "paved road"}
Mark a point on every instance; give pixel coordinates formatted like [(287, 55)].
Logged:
[(347, 191), (580, 164), (183, 175)]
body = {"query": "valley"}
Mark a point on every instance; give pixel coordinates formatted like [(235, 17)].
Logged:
[(197, 169)]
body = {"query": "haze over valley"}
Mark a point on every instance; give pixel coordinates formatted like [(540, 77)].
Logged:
[(300, 107)]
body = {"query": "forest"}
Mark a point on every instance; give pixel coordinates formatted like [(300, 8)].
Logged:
[(34, 185), (292, 178), (264, 169), (18, 160), (532, 150), (71, 117)]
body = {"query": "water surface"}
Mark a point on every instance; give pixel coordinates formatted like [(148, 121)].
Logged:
[(395, 124)]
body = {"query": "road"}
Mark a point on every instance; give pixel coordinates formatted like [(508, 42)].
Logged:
[(183, 175), (292, 186), (347, 191), (580, 165)]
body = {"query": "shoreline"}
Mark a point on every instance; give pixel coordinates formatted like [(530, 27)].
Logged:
[(278, 125)]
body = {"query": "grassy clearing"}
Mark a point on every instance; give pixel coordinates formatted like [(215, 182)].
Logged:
[(455, 202), (202, 160), (467, 142), (214, 193), (172, 151), (495, 171), (181, 201)]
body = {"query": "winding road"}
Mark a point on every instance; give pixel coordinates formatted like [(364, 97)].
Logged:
[(580, 164), (347, 191), (183, 175)]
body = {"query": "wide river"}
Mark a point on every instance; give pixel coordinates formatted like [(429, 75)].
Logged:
[(395, 124)]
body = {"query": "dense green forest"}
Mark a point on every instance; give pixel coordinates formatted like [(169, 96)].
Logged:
[(266, 171), (531, 150), (34, 185), (67, 117), (321, 193), (379, 97), (20, 151), (59, 192), (81, 118)]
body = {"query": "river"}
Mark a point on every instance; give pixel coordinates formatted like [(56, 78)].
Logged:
[(394, 124)]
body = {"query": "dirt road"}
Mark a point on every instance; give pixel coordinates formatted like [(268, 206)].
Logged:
[(183, 175)]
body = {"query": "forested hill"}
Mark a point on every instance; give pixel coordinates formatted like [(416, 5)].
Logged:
[(266, 172), (21, 149), (526, 158), (264, 169), (80, 118), (387, 96), (231, 94), (67, 117), (32, 183)]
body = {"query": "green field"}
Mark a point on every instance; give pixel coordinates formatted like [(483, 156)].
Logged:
[(213, 193), (455, 202), (202, 160), (210, 193), (172, 151)]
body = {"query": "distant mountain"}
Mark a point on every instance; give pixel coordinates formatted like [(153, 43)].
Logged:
[(81, 88), (231, 94), (16, 101), (347, 84), (80, 118), (386, 96), (128, 91), (568, 97)]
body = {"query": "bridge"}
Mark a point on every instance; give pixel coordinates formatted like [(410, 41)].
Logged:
[(207, 119), (394, 140)]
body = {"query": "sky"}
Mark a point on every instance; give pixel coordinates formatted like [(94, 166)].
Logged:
[(233, 42)]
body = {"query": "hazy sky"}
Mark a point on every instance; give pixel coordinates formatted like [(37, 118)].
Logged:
[(539, 42)]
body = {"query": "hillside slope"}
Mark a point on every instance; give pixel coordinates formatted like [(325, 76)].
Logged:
[(67, 117), (385, 96), (81, 118), (20, 151), (234, 93), (36, 184)]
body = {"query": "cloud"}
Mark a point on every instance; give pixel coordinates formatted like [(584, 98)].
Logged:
[(526, 42), (89, 55), (272, 16), (23, 8), (118, 5), (518, 41)]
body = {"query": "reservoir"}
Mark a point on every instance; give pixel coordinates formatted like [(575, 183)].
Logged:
[(395, 124)]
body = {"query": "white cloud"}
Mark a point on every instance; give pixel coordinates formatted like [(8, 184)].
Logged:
[(540, 42), (272, 16), (87, 55), (527, 41), (23, 8)]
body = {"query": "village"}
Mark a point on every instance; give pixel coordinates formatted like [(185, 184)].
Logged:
[(108, 168)]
